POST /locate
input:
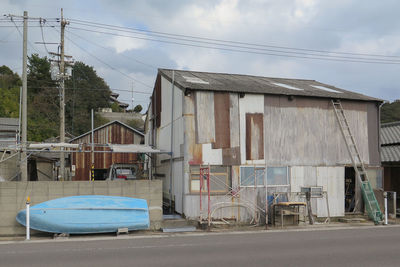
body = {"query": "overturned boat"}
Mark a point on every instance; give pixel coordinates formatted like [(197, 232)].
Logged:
[(88, 214)]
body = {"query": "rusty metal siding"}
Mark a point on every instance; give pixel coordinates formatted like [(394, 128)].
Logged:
[(373, 134), (114, 134), (193, 152), (222, 120), (204, 115), (254, 136)]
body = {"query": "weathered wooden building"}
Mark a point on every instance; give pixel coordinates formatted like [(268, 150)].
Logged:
[(114, 132), (258, 135)]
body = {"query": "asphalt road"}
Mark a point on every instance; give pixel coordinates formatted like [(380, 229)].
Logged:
[(378, 246)]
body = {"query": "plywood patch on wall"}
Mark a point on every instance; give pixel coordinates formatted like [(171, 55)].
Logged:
[(254, 136)]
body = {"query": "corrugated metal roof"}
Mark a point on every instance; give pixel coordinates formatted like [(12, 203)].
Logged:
[(390, 153), (105, 125), (390, 133), (195, 80), (8, 124)]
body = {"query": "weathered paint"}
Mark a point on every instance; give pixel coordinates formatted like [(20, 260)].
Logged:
[(211, 156), (373, 134), (234, 120), (306, 132), (222, 120), (193, 152), (113, 134), (249, 103), (231, 156), (156, 100), (254, 136), (332, 181), (204, 115)]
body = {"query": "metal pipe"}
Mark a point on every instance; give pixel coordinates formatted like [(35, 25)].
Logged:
[(386, 207), (28, 234), (208, 191), (172, 143), (92, 148), (201, 188)]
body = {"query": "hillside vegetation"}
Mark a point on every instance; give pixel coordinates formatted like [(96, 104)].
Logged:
[(390, 112), (84, 91)]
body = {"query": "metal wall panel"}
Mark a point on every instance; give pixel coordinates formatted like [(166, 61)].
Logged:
[(254, 136), (113, 134), (234, 120), (205, 122), (306, 132), (193, 152), (222, 120), (373, 134)]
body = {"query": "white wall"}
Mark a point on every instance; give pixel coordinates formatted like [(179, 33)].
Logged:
[(332, 181), (250, 103)]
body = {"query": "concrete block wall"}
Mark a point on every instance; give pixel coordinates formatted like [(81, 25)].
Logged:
[(13, 197)]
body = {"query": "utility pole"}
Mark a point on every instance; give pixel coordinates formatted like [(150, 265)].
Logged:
[(63, 23), (24, 159)]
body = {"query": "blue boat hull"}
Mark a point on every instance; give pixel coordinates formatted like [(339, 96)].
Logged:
[(88, 214)]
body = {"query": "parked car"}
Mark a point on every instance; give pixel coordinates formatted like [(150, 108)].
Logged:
[(120, 171)]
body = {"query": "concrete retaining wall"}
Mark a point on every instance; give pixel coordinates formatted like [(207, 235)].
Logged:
[(13, 197)]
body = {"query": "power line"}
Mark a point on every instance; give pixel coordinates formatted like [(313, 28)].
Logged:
[(108, 65), (92, 89), (191, 38), (252, 51), (30, 44), (125, 56)]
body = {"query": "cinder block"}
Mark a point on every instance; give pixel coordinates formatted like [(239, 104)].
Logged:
[(115, 191), (7, 208), (85, 188), (8, 218), (8, 185), (8, 199), (128, 191), (56, 187)]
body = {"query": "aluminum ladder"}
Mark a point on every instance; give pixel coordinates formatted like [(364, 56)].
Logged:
[(371, 204)]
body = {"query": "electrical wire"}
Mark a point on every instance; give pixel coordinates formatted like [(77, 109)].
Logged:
[(191, 37), (252, 51), (108, 65), (152, 67)]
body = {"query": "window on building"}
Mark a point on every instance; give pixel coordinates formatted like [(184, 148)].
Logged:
[(220, 181), (250, 175), (277, 176)]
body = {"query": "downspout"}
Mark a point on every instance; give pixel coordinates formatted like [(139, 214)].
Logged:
[(379, 143), (172, 143)]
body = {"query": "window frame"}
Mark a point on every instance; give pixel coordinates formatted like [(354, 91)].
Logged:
[(265, 178), (195, 176)]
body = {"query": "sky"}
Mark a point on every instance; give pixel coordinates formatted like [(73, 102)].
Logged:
[(121, 40)]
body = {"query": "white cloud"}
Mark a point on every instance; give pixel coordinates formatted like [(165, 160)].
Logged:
[(122, 44)]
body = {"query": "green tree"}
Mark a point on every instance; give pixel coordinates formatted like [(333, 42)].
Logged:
[(138, 108), (85, 90), (9, 92), (43, 100), (390, 112)]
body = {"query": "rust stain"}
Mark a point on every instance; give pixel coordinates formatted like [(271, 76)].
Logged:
[(231, 156), (222, 120), (114, 134), (254, 136)]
